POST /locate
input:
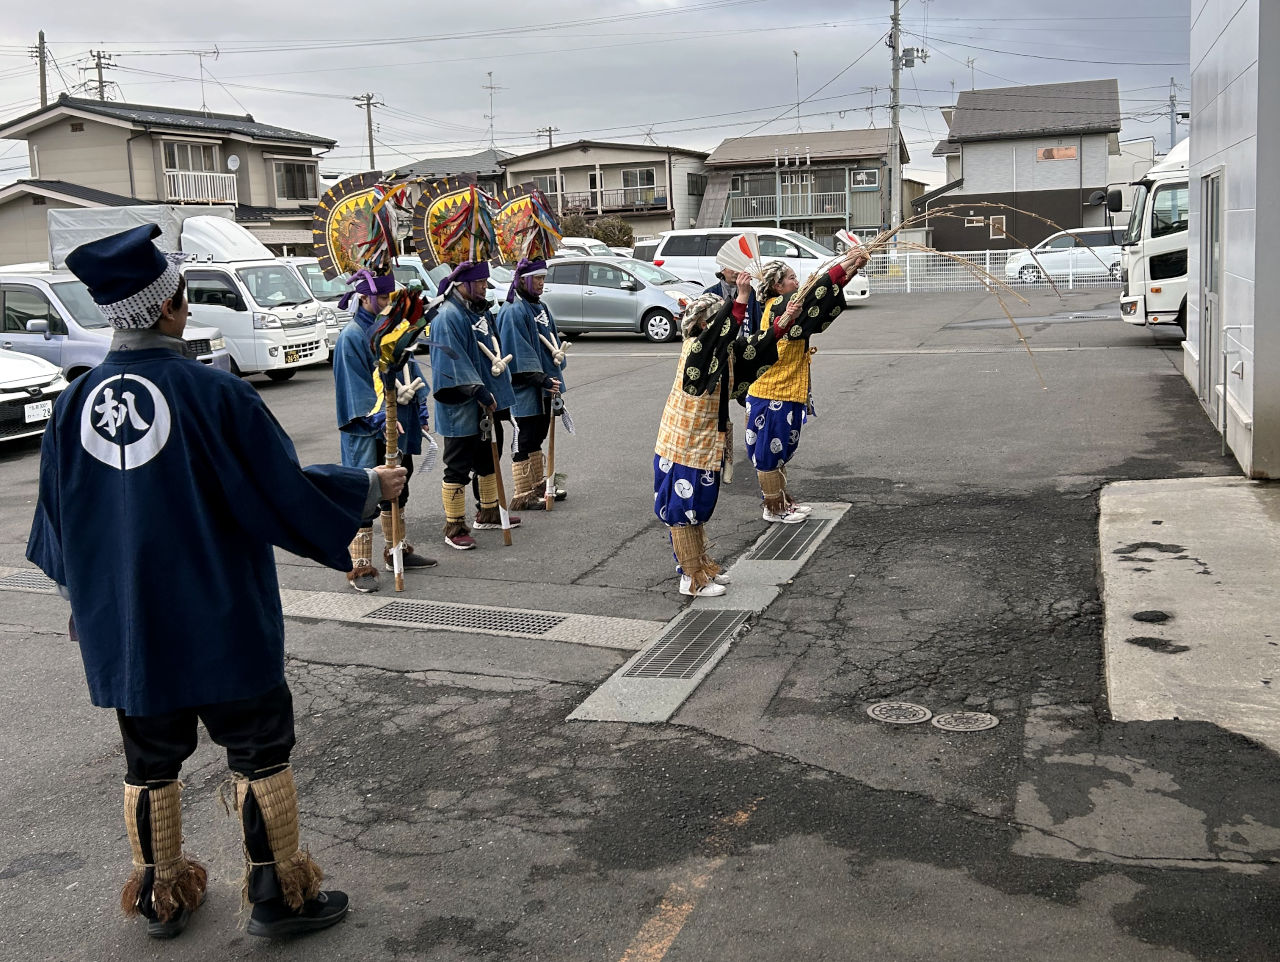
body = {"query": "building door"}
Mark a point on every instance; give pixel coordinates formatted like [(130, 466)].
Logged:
[(1211, 372)]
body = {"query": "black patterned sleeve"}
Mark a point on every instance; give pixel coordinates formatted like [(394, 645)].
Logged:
[(708, 357), (822, 305), (752, 356)]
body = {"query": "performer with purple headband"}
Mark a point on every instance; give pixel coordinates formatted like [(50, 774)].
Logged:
[(362, 418), (472, 385), (528, 331)]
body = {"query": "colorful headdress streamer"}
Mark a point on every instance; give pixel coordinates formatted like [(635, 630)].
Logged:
[(358, 224), (453, 222), (527, 229)]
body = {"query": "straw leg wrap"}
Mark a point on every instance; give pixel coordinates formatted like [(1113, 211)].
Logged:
[(773, 485), (522, 473), (389, 533), (454, 497), (690, 546), (164, 881), (488, 510), (276, 867), (539, 472), (786, 491), (361, 548)]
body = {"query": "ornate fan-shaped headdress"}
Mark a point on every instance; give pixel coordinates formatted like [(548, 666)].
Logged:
[(359, 223), (527, 229), (453, 222)]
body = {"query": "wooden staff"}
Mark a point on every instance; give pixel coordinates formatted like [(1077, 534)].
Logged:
[(497, 473), (550, 494), (393, 460)]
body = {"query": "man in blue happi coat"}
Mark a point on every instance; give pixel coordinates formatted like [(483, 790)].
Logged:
[(164, 485), (362, 419), (472, 390), (528, 332)]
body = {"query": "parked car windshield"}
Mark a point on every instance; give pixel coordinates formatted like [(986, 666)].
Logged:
[(649, 273), (808, 243), (596, 248), (77, 298), (1139, 204), (321, 287), (274, 286)]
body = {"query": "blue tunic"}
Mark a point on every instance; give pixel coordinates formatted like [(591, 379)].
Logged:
[(519, 324), (164, 485), (460, 373), (358, 389)]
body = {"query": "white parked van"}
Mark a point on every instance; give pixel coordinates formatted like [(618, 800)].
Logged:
[(1154, 262), (691, 255)]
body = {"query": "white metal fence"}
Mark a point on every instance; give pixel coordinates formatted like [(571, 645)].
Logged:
[(920, 272)]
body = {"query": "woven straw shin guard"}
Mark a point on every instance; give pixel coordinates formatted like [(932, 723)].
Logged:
[(361, 548), (774, 488), (690, 545), (276, 796), (455, 508), (522, 474), (539, 467), (164, 881)]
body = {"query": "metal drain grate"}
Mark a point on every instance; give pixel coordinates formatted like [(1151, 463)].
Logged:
[(29, 580), (505, 620), (688, 644), (787, 542)]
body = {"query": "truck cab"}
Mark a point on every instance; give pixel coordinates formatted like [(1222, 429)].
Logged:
[(1154, 245), (271, 321)]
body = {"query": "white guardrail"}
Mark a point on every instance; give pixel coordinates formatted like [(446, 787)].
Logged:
[(916, 272)]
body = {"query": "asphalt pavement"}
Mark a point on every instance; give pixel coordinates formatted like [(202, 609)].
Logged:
[(770, 817)]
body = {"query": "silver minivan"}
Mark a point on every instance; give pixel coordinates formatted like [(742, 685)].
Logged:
[(51, 314)]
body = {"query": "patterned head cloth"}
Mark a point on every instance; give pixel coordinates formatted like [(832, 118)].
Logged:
[(700, 310), (771, 275), (128, 276)]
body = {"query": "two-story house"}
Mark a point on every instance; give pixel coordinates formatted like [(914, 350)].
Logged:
[(1043, 149), (652, 188), (94, 153), (813, 183), (485, 166)]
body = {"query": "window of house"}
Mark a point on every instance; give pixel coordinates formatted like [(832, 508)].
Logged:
[(697, 184), (864, 178), (735, 184), (637, 185), (761, 184), (38, 201), (547, 183), (77, 127), (974, 221), (295, 181), (194, 157), (997, 226), (828, 180)]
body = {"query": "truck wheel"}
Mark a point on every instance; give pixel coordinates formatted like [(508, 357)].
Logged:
[(282, 375), (1029, 274)]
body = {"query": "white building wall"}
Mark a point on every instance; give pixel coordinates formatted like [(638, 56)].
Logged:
[(24, 229), (1229, 122), (999, 166), (684, 206)]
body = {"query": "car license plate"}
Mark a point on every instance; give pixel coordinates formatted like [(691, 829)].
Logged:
[(39, 411), (292, 357)]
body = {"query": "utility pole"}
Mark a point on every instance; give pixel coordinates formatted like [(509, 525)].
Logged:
[(99, 58), (969, 62), (796, 54), (491, 87), (1173, 114), (548, 130), (368, 103), (895, 106), (44, 83)]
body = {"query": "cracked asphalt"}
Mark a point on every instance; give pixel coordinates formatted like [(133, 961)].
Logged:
[(771, 818)]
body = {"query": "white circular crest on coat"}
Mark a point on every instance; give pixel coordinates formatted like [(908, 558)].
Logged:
[(776, 445), (751, 436), (664, 465), (775, 405), (790, 416), (760, 421), (97, 437), (683, 488), (708, 478), (692, 515)]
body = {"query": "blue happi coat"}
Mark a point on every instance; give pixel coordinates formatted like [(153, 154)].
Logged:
[(164, 485), (519, 324), (362, 411), (460, 373)]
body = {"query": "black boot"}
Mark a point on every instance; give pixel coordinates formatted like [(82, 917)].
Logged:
[(272, 918)]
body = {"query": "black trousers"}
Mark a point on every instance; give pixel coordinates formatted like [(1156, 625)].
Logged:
[(257, 734), (406, 462), (470, 457), (531, 431)]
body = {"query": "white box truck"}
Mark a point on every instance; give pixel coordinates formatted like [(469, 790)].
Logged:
[(272, 323), (1154, 246)]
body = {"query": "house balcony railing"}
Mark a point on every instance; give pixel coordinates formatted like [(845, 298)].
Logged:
[(828, 204), (199, 187), (623, 198)]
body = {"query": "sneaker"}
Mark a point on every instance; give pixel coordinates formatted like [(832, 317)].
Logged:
[(410, 559), (711, 590), (364, 578), (272, 919), (723, 579), (463, 542), (799, 508), (788, 516)]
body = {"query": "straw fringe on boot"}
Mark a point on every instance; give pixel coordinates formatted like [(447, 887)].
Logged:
[(689, 544), (524, 476), (296, 871), (774, 488), (163, 879)]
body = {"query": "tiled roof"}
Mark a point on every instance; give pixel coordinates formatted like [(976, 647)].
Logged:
[(1005, 113), (823, 145)]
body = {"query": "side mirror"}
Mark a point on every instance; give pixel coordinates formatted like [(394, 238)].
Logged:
[(1115, 201), (630, 285), (39, 327)]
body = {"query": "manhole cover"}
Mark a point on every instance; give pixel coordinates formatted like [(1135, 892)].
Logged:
[(899, 713), (965, 721)]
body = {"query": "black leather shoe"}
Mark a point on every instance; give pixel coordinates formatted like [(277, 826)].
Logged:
[(171, 929), (273, 919), (410, 559)]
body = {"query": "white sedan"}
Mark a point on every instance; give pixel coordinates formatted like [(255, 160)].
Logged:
[(28, 387)]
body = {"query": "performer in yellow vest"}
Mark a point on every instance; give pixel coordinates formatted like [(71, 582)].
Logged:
[(780, 400)]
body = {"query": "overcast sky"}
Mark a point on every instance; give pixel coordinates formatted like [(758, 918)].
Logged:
[(683, 73)]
